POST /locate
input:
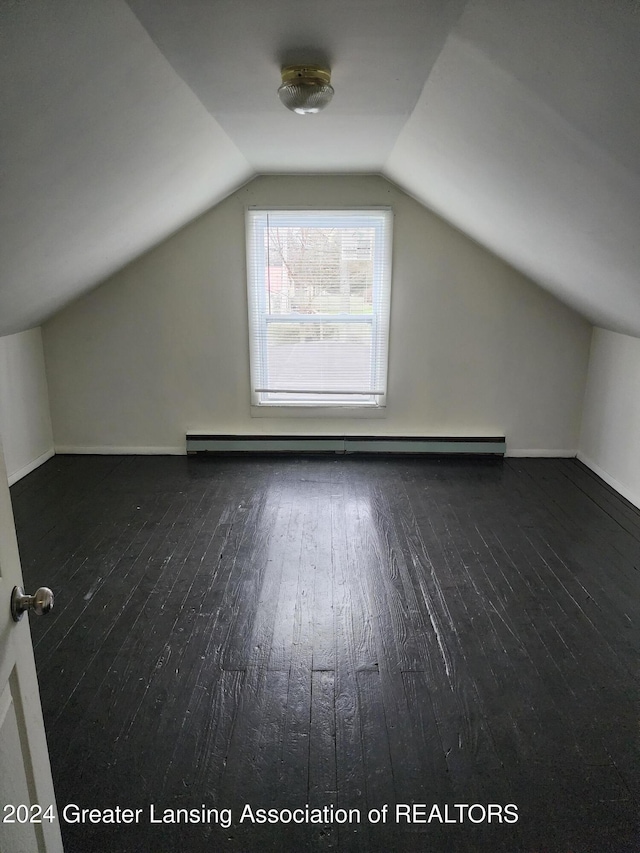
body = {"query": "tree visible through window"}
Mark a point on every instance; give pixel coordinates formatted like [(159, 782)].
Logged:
[(319, 293)]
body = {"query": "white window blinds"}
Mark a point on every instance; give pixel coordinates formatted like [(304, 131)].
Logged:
[(319, 296)]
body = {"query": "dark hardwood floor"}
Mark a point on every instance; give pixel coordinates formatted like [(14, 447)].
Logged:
[(343, 633)]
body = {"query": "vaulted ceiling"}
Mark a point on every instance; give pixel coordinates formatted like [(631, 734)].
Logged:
[(516, 120)]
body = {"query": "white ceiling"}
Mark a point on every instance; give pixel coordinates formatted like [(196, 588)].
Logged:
[(526, 136), (230, 53), (517, 120)]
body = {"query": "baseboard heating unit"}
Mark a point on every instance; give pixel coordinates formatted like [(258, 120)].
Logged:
[(350, 444)]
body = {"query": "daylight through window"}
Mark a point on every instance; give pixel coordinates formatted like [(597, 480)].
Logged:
[(319, 295)]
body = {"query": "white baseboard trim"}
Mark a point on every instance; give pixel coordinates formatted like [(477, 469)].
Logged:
[(558, 454), (630, 494), (108, 450), (31, 466)]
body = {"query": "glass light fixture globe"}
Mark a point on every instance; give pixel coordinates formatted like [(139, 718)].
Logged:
[(305, 90)]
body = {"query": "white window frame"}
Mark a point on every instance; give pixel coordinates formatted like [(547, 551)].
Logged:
[(381, 218)]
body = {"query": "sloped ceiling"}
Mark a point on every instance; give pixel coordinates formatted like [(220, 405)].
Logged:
[(516, 120)]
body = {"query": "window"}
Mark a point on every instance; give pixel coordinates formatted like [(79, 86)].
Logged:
[(319, 294)]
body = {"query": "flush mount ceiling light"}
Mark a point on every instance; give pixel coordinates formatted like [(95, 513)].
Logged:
[(305, 89)]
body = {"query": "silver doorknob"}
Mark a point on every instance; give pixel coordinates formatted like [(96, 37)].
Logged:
[(40, 603)]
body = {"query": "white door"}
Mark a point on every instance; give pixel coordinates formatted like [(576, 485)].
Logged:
[(28, 815)]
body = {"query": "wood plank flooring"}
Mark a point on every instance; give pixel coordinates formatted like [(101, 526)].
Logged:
[(346, 634)]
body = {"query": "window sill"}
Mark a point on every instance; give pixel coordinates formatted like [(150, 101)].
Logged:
[(324, 412)]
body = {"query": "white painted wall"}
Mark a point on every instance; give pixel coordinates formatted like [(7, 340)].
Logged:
[(610, 436), (25, 423), (162, 347)]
